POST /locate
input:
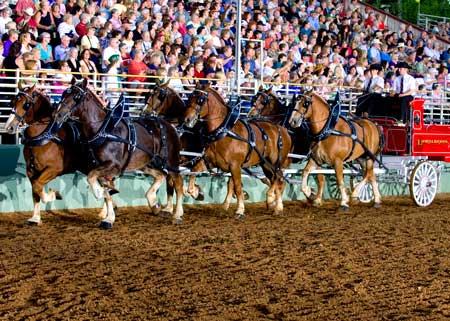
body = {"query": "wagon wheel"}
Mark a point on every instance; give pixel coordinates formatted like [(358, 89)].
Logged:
[(423, 183), (366, 191)]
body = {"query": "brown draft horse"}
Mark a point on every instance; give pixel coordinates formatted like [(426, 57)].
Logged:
[(267, 104), (120, 145), (164, 101), (338, 141), (49, 151), (234, 144)]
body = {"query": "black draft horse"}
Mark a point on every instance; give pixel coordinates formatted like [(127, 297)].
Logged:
[(121, 145)]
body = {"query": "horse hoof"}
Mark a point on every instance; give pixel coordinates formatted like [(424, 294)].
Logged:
[(246, 195), (155, 209), (377, 205), (344, 208), (105, 225), (58, 195), (178, 221), (316, 202), (165, 214), (33, 223), (240, 217), (200, 196), (278, 212), (355, 199), (113, 191)]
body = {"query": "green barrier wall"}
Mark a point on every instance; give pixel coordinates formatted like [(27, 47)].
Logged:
[(15, 189)]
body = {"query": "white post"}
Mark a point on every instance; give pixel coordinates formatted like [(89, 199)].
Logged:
[(237, 62)]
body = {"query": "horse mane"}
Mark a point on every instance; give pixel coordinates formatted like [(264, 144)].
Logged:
[(217, 95), (314, 94), (96, 97)]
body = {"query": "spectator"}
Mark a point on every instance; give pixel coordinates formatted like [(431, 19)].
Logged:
[(23, 5), (113, 80), (87, 65), (370, 102), (137, 70), (62, 50), (13, 36), (46, 51), (66, 28), (188, 77), (44, 18), (112, 49), (374, 53), (62, 78), (26, 21), (74, 63), (5, 17)]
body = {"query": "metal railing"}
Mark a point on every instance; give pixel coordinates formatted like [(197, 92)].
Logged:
[(428, 22)]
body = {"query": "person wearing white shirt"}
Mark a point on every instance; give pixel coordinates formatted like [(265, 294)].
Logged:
[(66, 28), (405, 88), (5, 17)]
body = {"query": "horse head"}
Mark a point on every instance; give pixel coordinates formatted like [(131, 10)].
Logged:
[(71, 99), (195, 105), (156, 100), (302, 109), (266, 103), (28, 106)]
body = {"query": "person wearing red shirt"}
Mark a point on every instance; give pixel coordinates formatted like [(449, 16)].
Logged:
[(80, 28), (137, 70)]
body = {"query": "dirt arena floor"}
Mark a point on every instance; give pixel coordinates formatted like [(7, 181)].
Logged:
[(307, 264)]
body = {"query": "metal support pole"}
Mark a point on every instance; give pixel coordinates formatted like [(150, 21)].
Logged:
[(237, 61)]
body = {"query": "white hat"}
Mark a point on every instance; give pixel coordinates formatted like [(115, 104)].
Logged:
[(376, 41), (207, 38), (401, 45), (29, 11), (267, 60)]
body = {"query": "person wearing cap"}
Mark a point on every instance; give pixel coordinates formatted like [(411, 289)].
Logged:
[(374, 53), (112, 80), (405, 88), (112, 49), (373, 86), (26, 20)]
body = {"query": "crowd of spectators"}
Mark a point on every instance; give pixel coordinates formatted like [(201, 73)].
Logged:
[(307, 42)]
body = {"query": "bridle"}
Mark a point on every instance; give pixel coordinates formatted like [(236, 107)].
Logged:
[(307, 102), (162, 95), (201, 100), (78, 98), (28, 106)]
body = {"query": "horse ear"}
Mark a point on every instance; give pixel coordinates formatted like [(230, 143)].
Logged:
[(19, 86), (167, 82), (294, 97), (157, 81), (269, 90), (85, 82), (197, 84), (73, 81), (261, 88)]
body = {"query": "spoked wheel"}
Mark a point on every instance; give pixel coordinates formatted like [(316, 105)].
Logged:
[(365, 193), (423, 183)]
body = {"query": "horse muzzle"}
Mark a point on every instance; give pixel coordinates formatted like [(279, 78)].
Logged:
[(296, 122), (11, 125), (190, 121)]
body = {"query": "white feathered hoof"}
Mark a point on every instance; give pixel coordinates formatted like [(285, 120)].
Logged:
[(156, 209), (246, 195), (200, 195), (58, 195), (165, 214), (32, 222), (240, 217), (344, 209), (178, 221), (355, 199), (105, 225), (278, 212), (377, 204)]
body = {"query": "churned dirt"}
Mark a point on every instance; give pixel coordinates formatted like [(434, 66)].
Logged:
[(308, 264)]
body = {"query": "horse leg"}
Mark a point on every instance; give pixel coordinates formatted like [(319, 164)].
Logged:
[(339, 169), (306, 189), (151, 196), (178, 185), (236, 175), (167, 210), (281, 184), (374, 183), (317, 199), (271, 192), (357, 189), (194, 190), (230, 191), (110, 217), (39, 194)]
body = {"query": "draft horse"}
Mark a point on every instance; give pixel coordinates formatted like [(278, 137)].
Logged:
[(338, 140), (121, 145), (164, 101), (233, 144), (49, 150), (268, 105)]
